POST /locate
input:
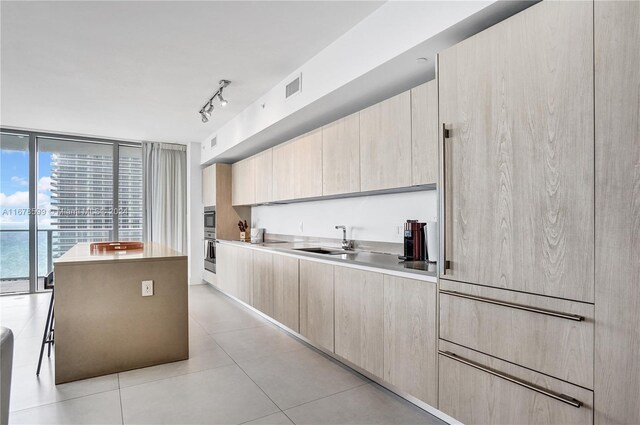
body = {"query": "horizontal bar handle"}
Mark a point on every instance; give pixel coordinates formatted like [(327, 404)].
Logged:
[(561, 315), (556, 396)]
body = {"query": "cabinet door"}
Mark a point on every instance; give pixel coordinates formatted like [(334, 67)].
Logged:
[(410, 337), (243, 273), (286, 294), (283, 171), (263, 288), (518, 101), (316, 302), (263, 164), (424, 133), (224, 267), (341, 156), (359, 318), (617, 367), (209, 186), (243, 186), (307, 165), (385, 144)]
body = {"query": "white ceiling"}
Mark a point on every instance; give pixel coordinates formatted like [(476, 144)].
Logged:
[(142, 70)]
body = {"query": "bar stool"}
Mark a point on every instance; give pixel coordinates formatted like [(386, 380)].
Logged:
[(48, 337)]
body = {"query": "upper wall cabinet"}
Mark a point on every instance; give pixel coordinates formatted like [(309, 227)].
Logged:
[(341, 156), (209, 186), (297, 168), (308, 165), (517, 100), (424, 134), (243, 187), (385, 144), (263, 172)]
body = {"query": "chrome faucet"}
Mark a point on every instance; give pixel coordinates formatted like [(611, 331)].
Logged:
[(346, 244)]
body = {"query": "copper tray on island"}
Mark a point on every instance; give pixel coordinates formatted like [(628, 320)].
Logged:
[(102, 247)]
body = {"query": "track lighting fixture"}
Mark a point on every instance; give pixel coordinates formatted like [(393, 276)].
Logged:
[(207, 109)]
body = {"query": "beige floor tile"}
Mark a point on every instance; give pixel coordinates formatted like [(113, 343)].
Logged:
[(219, 396), (103, 408), (297, 377), (368, 404), (258, 342), (275, 419)]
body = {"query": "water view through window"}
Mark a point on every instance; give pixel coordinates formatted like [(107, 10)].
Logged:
[(75, 201)]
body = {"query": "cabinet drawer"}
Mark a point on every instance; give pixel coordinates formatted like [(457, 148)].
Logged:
[(477, 389), (545, 334)]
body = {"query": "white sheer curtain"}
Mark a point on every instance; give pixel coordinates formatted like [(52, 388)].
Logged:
[(165, 194)]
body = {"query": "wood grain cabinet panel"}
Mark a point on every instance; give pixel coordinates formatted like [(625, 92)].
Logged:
[(209, 186), (224, 265), (263, 175), (424, 133), (410, 337), (243, 186), (284, 157), (341, 156), (243, 274), (263, 283), (359, 318), (518, 101), (307, 165), (521, 328), (385, 144), (286, 291), (617, 268), (475, 396), (316, 303)]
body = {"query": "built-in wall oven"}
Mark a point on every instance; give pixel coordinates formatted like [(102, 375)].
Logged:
[(210, 239)]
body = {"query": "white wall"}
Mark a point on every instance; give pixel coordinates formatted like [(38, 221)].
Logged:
[(370, 218), (195, 226), (390, 30)]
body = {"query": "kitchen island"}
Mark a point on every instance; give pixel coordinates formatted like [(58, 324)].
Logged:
[(103, 323)]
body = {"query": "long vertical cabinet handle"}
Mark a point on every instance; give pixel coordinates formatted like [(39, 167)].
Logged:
[(443, 199)]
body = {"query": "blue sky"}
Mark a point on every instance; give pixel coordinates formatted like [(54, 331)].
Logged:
[(14, 189)]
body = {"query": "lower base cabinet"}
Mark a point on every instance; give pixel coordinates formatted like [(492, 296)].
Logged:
[(286, 291), (478, 389), (410, 337), (316, 303), (359, 298), (263, 282), (235, 271)]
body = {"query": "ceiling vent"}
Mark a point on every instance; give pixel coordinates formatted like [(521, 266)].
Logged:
[(294, 87), (214, 141)]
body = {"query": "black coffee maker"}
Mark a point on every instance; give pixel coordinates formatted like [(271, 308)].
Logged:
[(414, 241)]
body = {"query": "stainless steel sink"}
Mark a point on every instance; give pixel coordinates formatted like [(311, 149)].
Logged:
[(320, 250)]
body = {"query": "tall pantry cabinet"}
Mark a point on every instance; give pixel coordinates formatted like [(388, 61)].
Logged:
[(617, 249), (540, 175)]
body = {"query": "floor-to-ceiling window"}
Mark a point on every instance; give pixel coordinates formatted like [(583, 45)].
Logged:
[(65, 190)]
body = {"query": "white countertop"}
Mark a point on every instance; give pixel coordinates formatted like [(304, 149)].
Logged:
[(80, 253)]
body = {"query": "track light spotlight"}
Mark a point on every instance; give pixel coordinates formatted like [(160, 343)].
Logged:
[(207, 109)]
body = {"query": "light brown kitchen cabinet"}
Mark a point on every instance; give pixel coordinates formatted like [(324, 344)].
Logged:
[(517, 100), (263, 284), (286, 291), (284, 157), (224, 265), (341, 156), (410, 337), (235, 271), (263, 176), (385, 144), (617, 210), (243, 186), (307, 165), (479, 389), (549, 335), (209, 186), (424, 133), (359, 318), (316, 303)]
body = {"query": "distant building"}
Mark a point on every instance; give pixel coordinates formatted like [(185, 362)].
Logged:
[(82, 199)]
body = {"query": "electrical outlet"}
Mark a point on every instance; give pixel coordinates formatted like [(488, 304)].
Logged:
[(147, 288)]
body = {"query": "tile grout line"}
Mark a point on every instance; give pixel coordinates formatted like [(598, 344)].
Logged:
[(120, 396)]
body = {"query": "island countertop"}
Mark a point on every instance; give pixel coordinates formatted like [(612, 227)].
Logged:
[(81, 253)]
